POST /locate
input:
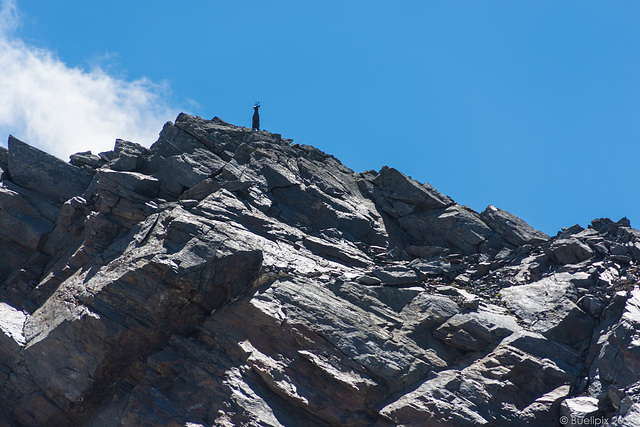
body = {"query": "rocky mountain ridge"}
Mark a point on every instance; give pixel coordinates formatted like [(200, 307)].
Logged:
[(226, 276)]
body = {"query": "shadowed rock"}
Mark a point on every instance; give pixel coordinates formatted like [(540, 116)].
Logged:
[(511, 228), (41, 172)]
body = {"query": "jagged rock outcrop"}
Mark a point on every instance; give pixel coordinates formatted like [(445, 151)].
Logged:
[(226, 276)]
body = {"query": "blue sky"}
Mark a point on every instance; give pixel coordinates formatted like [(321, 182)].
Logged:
[(530, 106)]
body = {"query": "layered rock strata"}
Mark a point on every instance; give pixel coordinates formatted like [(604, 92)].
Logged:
[(229, 277)]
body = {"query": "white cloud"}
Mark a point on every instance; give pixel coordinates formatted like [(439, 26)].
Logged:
[(64, 110), (8, 17)]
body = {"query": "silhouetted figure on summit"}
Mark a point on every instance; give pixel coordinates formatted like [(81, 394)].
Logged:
[(256, 117)]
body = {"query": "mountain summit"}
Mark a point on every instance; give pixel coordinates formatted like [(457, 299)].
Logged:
[(226, 276)]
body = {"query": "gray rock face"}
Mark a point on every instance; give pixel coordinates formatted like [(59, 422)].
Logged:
[(548, 306), (87, 159), (23, 232), (41, 172), (402, 195), (226, 276), (21, 222), (4, 158), (580, 410), (571, 251), (619, 358), (425, 217), (511, 228), (475, 330)]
